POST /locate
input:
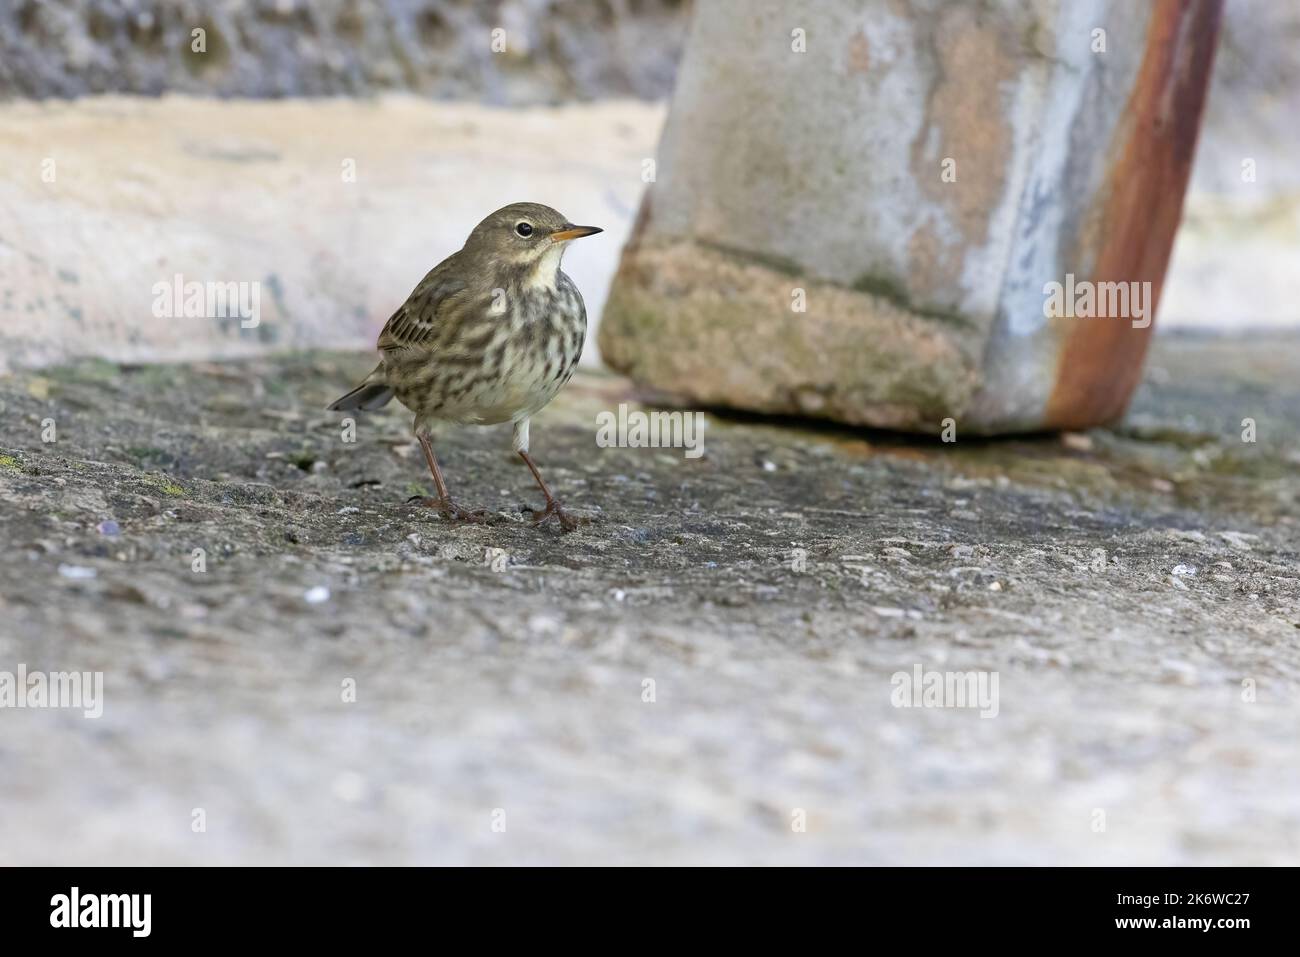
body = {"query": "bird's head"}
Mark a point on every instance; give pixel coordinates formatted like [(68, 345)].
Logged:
[(525, 234)]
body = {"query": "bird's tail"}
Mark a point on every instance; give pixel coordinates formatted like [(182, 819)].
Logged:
[(373, 393)]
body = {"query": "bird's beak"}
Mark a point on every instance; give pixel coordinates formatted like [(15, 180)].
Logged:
[(574, 232)]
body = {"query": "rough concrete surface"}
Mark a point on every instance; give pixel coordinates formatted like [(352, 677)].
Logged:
[(1122, 584)]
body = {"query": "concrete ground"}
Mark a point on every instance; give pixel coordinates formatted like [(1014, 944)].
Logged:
[(1136, 591)]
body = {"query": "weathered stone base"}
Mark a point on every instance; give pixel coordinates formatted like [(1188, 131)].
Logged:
[(711, 327)]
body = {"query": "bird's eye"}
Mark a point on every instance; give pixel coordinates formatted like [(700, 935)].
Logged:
[(524, 229)]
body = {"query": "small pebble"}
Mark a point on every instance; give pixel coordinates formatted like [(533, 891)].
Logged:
[(317, 595), (1240, 540), (77, 572), (1188, 570), (108, 528)]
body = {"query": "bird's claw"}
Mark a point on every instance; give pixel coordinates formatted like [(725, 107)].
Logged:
[(553, 510), (450, 509)]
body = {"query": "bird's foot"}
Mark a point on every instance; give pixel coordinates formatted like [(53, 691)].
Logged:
[(451, 510), (554, 510)]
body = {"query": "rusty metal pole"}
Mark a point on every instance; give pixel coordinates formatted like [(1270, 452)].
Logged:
[(860, 208), (1140, 207)]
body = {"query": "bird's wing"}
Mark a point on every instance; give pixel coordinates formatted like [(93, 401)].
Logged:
[(417, 321)]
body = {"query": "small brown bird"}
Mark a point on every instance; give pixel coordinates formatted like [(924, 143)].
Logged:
[(490, 335)]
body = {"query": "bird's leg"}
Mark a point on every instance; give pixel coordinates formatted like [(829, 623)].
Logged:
[(443, 502), (567, 522)]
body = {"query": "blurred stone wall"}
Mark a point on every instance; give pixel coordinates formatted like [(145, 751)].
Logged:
[(554, 49), (331, 209)]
